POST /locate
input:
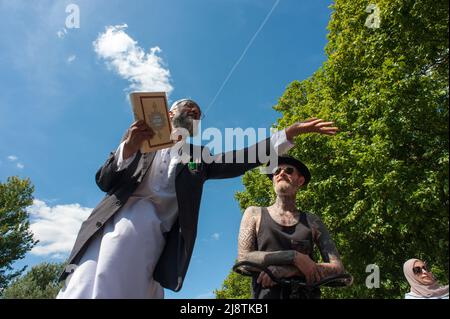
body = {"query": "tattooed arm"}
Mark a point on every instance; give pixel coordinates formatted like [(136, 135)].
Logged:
[(332, 264), (247, 232)]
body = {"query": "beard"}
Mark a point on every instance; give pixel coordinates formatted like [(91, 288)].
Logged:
[(183, 120), (284, 188)]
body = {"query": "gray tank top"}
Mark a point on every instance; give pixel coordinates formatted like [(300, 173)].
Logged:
[(273, 237)]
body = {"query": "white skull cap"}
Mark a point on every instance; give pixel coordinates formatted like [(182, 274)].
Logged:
[(175, 104)]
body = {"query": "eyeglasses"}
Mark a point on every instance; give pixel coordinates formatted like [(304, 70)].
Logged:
[(191, 107), (288, 170), (418, 270)]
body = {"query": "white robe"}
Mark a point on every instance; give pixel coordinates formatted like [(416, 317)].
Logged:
[(119, 262)]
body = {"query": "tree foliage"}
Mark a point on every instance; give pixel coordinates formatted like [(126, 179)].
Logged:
[(381, 184), (15, 236), (234, 287), (41, 282)]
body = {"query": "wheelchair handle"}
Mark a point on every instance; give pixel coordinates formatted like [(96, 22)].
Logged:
[(339, 280)]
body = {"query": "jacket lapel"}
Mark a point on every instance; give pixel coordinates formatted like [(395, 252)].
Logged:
[(145, 163), (182, 165)]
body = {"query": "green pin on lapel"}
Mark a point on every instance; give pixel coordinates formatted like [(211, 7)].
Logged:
[(192, 166)]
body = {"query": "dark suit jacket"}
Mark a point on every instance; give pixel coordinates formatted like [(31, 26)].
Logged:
[(119, 186)]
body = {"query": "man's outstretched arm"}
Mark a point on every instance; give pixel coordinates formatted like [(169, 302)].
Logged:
[(236, 163)]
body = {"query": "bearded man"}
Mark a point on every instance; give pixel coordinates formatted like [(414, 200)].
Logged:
[(140, 237)]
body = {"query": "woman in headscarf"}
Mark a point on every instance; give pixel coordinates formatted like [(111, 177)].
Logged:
[(422, 282)]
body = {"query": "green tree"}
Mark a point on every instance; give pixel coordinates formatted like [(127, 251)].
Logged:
[(235, 286), (15, 236), (381, 184), (41, 282)]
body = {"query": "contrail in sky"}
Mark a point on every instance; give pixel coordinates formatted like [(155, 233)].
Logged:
[(242, 55)]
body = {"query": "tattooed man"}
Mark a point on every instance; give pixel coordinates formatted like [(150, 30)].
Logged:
[(283, 238)]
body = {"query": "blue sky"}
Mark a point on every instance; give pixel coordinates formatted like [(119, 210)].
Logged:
[(63, 104)]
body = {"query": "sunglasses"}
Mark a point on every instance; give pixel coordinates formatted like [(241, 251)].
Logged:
[(418, 270), (288, 170)]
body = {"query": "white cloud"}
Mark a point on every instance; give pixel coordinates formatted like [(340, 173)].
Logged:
[(71, 58), (144, 71), (55, 227), (12, 158), (20, 165), (58, 256), (215, 236)]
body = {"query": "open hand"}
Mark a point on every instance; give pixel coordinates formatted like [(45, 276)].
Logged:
[(313, 125)]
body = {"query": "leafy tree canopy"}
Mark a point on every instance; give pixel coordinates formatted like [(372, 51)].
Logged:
[(381, 184), (15, 236)]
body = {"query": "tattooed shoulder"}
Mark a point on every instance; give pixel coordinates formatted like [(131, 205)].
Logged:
[(248, 231), (254, 214), (251, 210), (316, 225)]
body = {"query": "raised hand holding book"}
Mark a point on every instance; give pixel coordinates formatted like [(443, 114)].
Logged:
[(152, 108)]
